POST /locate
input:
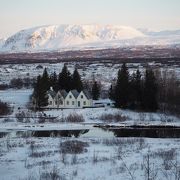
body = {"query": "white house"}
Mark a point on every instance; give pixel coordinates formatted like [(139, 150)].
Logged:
[(84, 99), (72, 99)]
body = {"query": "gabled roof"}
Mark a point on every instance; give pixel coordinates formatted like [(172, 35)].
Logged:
[(87, 94), (75, 93), (63, 93), (52, 93)]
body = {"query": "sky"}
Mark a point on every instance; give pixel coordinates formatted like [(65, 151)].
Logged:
[(157, 15)]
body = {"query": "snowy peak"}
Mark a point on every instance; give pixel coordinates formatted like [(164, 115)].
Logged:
[(76, 37), (59, 36)]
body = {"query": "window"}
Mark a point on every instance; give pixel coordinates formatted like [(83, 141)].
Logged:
[(55, 102), (81, 96), (67, 102), (84, 103), (72, 102), (70, 96), (50, 102)]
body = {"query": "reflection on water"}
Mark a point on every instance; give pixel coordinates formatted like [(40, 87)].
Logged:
[(52, 133), (3, 134), (147, 132), (155, 132), (45, 133)]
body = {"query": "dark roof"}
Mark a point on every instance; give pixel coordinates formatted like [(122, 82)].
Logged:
[(63, 93), (75, 93), (52, 93), (87, 94)]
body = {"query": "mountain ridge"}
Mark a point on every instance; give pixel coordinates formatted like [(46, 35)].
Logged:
[(67, 37)]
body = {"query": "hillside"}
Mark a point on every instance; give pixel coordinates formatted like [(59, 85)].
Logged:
[(78, 37)]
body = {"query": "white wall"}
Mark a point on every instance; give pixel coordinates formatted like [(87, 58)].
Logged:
[(70, 101), (82, 99), (50, 99)]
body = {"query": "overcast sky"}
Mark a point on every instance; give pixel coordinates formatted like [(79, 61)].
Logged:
[(16, 15)]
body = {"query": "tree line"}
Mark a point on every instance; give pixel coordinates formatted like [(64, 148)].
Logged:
[(169, 91), (64, 80), (150, 91), (135, 91)]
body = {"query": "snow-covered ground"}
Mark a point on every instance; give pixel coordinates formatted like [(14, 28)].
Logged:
[(20, 98), (105, 157), (92, 116), (16, 98)]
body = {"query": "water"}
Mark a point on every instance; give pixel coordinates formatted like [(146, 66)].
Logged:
[(150, 132)]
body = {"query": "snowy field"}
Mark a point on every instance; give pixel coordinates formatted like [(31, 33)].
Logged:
[(94, 155), (16, 98), (99, 159), (20, 98)]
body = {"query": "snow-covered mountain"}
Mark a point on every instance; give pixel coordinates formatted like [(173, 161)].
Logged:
[(66, 37), (2, 41)]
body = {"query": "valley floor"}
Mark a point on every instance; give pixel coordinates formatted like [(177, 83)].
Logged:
[(94, 154)]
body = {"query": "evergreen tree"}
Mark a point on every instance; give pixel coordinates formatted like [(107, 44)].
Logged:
[(95, 91), (132, 91), (40, 94), (111, 92), (65, 79), (76, 81), (136, 90), (122, 88), (54, 81), (150, 102), (45, 81)]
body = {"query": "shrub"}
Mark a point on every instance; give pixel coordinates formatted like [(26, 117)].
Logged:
[(52, 175), (117, 117), (73, 147), (19, 83), (74, 118), (20, 116), (4, 108)]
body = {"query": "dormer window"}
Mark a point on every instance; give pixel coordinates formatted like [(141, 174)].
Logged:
[(81, 96)]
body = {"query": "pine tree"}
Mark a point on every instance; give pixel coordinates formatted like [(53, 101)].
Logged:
[(76, 81), (45, 80), (40, 94), (132, 91), (95, 91), (150, 102), (136, 90), (122, 88), (65, 79), (54, 81), (111, 92)]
